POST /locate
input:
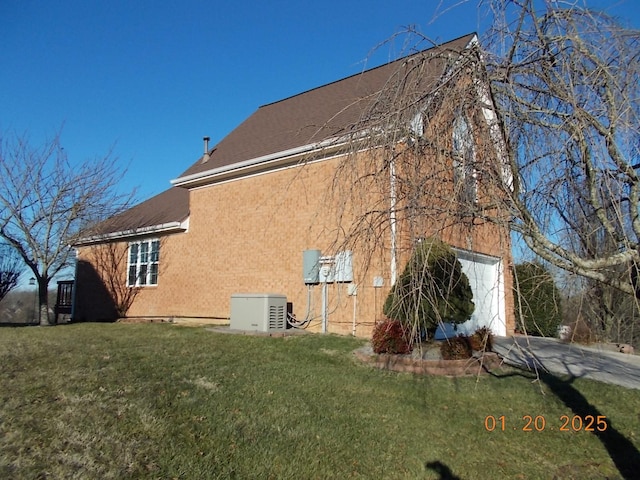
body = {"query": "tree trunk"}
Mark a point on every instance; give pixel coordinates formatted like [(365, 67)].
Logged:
[(43, 302)]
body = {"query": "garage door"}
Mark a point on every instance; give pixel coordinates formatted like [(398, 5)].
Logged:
[(487, 283)]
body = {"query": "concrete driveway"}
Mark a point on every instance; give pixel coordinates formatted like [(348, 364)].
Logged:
[(549, 354)]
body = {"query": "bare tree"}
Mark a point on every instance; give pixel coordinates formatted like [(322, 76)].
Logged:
[(609, 312), (46, 201), (10, 268), (536, 129), (565, 81)]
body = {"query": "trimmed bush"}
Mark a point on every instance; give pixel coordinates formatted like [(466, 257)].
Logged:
[(431, 289), (538, 307), (389, 336), (456, 348)]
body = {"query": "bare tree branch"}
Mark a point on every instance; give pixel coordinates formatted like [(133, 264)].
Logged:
[(567, 92), (10, 269), (46, 202)]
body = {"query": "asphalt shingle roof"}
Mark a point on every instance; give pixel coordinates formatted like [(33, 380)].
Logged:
[(167, 207), (309, 117), (314, 115)]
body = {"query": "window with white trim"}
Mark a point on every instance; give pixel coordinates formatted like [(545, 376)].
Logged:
[(465, 178), (144, 257)]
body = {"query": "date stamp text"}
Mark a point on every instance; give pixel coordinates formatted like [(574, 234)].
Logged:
[(539, 423)]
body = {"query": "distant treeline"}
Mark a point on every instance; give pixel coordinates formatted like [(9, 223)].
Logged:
[(19, 307)]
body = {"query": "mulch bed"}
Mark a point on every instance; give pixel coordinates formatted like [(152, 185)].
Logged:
[(480, 363)]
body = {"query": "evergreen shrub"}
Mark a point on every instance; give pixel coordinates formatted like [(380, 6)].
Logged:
[(431, 289), (538, 304)]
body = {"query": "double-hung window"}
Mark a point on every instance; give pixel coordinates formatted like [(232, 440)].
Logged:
[(465, 178), (144, 257)]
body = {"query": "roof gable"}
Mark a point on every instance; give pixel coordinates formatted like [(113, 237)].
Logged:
[(313, 116)]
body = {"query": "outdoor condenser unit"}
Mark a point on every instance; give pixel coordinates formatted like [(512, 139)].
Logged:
[(262, 312)]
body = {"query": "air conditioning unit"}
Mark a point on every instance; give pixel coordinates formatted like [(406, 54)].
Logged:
[(261, 312)]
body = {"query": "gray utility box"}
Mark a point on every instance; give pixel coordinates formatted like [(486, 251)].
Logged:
[(262, 312)]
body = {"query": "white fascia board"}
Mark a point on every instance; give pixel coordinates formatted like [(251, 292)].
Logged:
[(170, 227), (490, 116), (489, 113), (252, 165)]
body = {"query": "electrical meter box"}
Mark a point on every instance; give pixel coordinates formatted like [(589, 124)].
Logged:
[(343, 267), (262, 312), (311, 266)]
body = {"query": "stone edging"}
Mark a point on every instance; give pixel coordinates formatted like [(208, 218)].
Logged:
[(401, 363)]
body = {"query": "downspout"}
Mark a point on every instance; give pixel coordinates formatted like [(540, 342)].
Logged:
[(75, 288), (355, 304), (392, 220), (325, 313)]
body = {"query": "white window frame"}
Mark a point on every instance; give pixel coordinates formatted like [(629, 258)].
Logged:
[(143, 260)]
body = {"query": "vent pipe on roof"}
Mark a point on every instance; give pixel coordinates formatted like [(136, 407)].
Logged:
[(205, 157)]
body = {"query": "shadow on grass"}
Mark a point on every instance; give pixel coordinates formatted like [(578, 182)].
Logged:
[(621, 450), (441, 469), (21, 324)]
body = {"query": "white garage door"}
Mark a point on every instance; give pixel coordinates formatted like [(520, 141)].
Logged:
[(487, 283)]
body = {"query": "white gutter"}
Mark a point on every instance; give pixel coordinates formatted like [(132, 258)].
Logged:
[(136, 232), (243, 167)]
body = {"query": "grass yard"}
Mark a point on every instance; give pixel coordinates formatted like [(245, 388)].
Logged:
[(159, 401)]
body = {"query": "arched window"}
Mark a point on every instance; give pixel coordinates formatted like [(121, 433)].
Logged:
[(464, 173)]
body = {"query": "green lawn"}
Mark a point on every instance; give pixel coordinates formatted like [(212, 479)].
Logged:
[(159, 401)]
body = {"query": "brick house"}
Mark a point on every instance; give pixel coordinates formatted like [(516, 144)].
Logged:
[(248, 215)]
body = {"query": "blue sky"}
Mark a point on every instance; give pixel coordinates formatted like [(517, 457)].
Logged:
[(151, 78)]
